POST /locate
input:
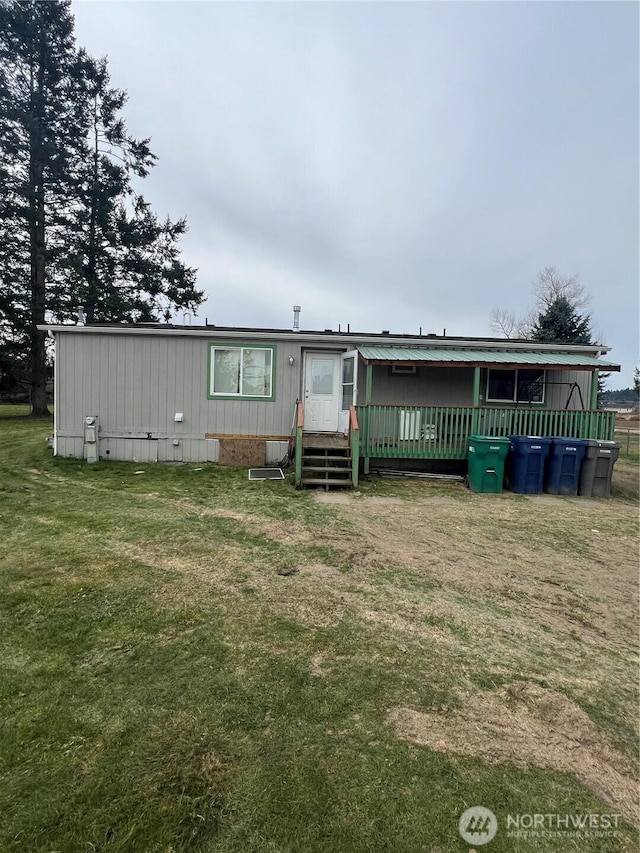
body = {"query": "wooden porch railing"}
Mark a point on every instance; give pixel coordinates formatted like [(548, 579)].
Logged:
[(298, 451), (442, 432), (354, 444)]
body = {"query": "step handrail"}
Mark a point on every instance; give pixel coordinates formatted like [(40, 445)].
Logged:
[(298, 451), (354, 444)]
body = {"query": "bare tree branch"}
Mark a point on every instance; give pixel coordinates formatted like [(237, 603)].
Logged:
[(526, 323), (550, 285), (502, 323)]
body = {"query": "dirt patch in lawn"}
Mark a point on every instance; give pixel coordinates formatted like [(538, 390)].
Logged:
[(320, 570), (347, 498), (527, 725), (576, 572), (284, 533)]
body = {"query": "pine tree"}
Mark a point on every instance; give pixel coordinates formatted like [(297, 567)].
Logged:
[(559, 315), (125, 263), (561, 323), (40, 134), (74, 233), (549, 286)]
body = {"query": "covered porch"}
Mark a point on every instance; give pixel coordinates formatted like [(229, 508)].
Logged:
[(424, 404)]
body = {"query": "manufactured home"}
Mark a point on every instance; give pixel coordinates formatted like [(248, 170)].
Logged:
[(172, 393)]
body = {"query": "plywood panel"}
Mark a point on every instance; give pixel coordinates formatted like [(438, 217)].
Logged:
[(242, 452)]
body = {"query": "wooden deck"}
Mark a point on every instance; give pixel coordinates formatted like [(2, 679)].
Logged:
[(429, 432), (440, 432)]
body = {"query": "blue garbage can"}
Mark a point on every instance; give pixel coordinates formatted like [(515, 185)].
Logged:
[(562, 472), (525, 468)]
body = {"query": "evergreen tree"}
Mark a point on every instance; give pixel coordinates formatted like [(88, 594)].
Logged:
[(40, 135), (125, 263), (73, 232), (561, 323), (621, 395), (549, 286)]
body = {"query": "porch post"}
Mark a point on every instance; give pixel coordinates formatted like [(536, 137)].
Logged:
[(367, 402), (593, 404), (476, 400), (367, 393), (476, 386), (299, 441)]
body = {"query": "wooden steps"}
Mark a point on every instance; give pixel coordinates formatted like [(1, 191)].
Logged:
[(326, 461)]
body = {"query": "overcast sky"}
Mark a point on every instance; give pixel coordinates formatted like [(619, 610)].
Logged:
[(389, 165)]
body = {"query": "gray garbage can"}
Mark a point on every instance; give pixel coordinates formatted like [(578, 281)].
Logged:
[(597, 468)]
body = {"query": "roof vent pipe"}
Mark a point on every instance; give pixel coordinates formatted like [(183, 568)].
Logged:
[(81, 317), (296, 318)]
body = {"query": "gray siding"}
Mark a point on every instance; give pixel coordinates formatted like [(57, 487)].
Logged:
[(135, 384), (559, 387), (432, 386)]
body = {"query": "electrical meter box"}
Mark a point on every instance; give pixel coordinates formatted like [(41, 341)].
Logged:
[(91, 452)]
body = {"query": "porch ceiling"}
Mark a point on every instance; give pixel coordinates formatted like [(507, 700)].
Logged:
[(473, 358)]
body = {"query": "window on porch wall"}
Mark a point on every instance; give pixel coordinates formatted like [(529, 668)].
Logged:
[(519, 385)]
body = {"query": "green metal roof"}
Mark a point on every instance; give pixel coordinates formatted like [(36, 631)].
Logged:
[(478, 356)]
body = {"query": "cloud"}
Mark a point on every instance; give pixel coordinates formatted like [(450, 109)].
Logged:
[(389, 165)]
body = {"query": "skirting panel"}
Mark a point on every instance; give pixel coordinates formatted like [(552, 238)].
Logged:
[(144, 450)]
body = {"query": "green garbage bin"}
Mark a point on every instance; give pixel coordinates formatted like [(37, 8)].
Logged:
[(597, 468), (486, 456)]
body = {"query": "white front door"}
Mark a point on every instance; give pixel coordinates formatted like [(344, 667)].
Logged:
[(322, 391)]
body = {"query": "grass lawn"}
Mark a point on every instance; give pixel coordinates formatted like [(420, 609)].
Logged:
[(192, 662)]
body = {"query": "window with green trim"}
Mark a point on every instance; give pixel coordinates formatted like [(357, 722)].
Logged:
[(517, 385), (243, 372)]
